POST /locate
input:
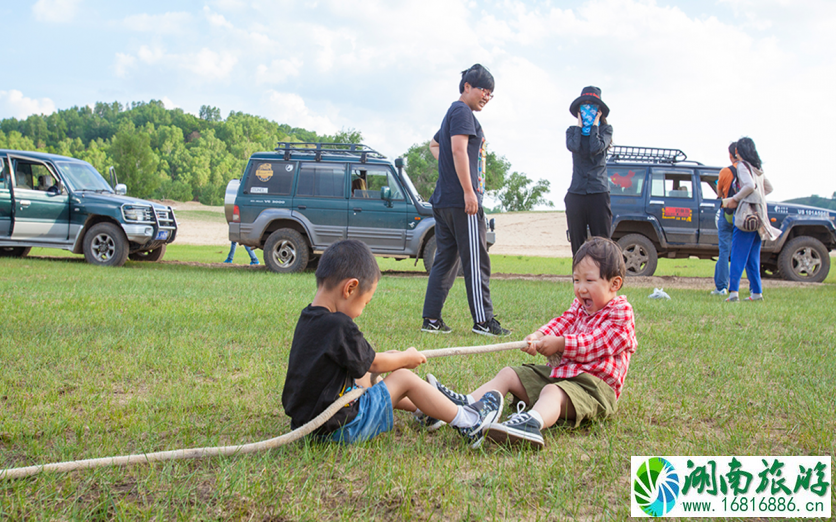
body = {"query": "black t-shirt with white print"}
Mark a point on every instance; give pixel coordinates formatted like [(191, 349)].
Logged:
[(328, 353)]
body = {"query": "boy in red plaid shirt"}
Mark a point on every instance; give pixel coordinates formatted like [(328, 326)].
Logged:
[(588, 350)]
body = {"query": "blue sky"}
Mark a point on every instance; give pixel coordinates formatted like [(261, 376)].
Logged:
[(689, 75)]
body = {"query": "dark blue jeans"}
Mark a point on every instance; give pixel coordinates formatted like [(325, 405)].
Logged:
[(745, 252), (724, 235)]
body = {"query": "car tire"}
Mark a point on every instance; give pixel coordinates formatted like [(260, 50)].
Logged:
[(429, 257), (804, 259), (148, 255), (105, 245), (639, 255), (14, 251), (286, 251)]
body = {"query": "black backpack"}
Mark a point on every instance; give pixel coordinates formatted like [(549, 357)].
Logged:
[(734, 186)]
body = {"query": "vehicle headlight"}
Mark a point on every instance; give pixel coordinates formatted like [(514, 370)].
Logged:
[(132, 213)]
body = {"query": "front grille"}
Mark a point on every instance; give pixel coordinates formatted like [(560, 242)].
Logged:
[(166, 218)]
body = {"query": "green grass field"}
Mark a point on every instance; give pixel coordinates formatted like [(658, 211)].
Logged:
[(150, 357)]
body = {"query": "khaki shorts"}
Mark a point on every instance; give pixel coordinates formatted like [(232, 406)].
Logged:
[(591, 397)]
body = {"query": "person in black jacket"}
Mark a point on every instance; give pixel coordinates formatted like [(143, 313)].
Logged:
[(588, 198)]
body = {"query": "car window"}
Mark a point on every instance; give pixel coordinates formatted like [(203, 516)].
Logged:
[(4, 173), (366, 182), (708, 185), (326, 181), (270, 177), (626, 181), (34, 176), (671, 184)]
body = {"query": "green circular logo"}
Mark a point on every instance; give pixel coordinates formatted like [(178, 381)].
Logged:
[(656, 486)]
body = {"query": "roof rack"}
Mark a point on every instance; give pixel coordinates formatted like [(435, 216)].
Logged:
[(645, 154), (340, 149)]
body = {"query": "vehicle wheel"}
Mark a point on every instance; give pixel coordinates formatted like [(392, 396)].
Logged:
[(286, 251), (14, 251), (429, 257), (148, 255), (770, 272), (106, 245), (804, 259), (639, 255)]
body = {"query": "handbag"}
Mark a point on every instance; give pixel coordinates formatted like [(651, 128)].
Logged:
[(747, 214)]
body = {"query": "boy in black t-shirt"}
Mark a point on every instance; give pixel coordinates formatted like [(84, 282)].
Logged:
[(329, 356)]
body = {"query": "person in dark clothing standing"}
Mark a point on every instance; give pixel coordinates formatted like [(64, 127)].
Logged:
[(588, 198), (459, 147)]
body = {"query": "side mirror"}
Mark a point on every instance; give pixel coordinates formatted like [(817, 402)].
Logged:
[(385, 193), (399, 163), (121, 189)]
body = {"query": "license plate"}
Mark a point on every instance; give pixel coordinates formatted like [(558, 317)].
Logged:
[(162, 234)]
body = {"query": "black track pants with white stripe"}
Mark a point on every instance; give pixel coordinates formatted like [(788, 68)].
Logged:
[(458, 234)]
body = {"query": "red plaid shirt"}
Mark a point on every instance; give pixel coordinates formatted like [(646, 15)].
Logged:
[(599, 344)]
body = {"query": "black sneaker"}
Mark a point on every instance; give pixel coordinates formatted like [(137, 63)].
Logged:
[(456, 398), (436, 327), (428, 423), (491, 328), (488, 408), (520, 428)]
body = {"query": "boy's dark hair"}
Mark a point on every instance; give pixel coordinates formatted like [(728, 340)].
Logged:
[(477, 76), (347, 259), (733, 148), (606, 254)]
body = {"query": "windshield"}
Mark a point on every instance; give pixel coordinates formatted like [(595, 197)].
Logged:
[(411, 187), (82, 176)]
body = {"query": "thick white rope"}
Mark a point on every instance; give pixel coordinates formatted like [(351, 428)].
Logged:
[(198, 453)]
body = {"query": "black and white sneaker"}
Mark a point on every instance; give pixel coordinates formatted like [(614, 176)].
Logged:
[(491, 328), (428, 423), (520, 428), (435, 327), (488, 408), (456, 398)]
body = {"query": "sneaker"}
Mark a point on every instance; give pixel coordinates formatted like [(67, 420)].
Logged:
[(754, 298), (520, 428), (491, 328), (428, 423), (456, 398), (436, 327), (732, 299), (254, 262), (228, 260), (719, 292), (488, 408)]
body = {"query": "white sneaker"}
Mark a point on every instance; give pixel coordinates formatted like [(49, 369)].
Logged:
[(719, 292)]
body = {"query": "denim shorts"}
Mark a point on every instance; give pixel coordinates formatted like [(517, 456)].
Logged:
[(375, 416)]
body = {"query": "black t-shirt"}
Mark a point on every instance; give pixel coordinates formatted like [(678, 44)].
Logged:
[(448, 191), (327, 354)]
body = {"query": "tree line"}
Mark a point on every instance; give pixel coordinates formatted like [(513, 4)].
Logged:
[(164, 153)]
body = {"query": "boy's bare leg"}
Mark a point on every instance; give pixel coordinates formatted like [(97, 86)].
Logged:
[(505, 381), (407, 389), (553, 404), (403, 404)]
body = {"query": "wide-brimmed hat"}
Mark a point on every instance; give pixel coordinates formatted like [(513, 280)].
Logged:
[(589, 95)]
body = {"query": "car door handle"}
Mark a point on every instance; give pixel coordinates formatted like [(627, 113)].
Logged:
[(707, 205), (24, 203), (302, 207), (358, 209), (655, 202)]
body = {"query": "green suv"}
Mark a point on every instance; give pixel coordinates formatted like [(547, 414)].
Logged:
[(302, 197), (53, 201)]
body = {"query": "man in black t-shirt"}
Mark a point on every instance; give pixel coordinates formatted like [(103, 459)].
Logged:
[(459, 147)]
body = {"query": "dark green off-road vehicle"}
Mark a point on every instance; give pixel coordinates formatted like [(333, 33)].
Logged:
[(665, 206), (53, 201), (302, 197)]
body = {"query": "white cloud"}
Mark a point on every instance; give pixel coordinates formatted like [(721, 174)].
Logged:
[(170, 23), (168, 104), (290, 108), (215, 18), (55, 11), (124, 62), (15, 104), (278, 71), (209, 64)]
